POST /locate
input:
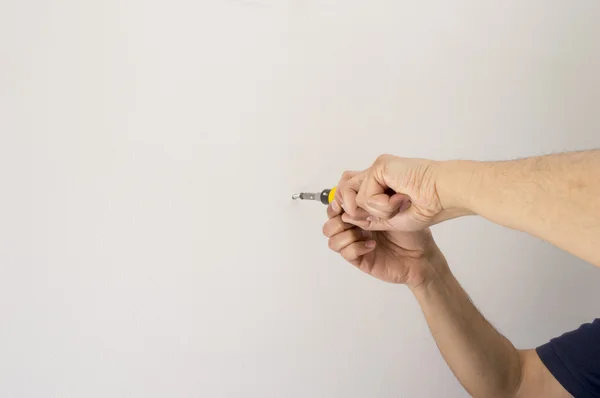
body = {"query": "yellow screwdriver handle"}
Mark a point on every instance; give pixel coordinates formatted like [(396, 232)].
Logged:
[(331, 195)]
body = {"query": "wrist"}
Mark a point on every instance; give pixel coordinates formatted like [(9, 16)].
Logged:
[(432, 270), (438, 279), (457, 185)]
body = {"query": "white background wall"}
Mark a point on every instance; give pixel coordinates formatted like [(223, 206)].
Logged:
[(148, 151)]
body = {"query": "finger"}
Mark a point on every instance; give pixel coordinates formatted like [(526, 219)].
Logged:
[(370, 187), (354, 251), (390, 205), (376, 198), (360, 214), (335, 226), (346, 176), (333, 209), (372, 183), (371, 223), (346, 193), (362, 224), (343, 239), (350, 191)]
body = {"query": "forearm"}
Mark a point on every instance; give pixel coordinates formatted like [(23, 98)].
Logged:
[(555, 197), (485, 363)]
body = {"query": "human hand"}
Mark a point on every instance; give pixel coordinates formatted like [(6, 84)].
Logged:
[(395, 194), (411, 258)]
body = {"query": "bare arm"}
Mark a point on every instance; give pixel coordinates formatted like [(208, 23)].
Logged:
[(484, 361), (554, 197)]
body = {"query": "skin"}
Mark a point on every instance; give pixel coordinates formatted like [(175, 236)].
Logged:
[(534, 195), (397, 257), (379, 223)]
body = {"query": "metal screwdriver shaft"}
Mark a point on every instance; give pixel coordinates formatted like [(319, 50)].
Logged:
[(325, 196)]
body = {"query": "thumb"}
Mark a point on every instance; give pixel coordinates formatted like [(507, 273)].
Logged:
[(386, 205), (410, 219)]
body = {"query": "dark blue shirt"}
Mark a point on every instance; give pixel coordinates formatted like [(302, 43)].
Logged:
[(574, 360)]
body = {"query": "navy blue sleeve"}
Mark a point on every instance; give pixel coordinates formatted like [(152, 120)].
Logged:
[(574, 360)]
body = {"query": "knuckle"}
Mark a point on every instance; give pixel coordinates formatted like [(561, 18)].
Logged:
[(336, 226), (332, 245), (344, 254), (346, 175), (325, 229), (349, 253), (382, 158)]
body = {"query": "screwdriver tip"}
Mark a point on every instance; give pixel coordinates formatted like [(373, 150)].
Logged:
[(296, 196)]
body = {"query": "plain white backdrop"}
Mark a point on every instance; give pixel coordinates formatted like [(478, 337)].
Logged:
[(149, 149)]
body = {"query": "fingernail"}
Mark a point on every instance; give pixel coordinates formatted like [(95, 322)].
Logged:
[(335, 206), (371, 218), (370, 244)]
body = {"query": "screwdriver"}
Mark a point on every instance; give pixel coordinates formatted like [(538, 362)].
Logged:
[(325, 196)]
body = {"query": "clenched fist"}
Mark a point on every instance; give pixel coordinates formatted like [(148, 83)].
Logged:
[(395, 193)]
